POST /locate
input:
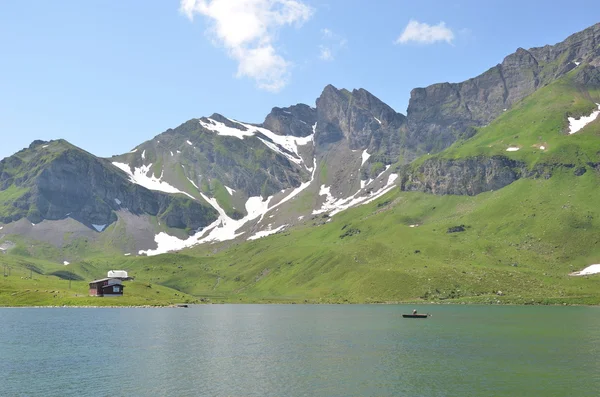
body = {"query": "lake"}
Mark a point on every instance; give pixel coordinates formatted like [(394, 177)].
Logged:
[(301, 350)]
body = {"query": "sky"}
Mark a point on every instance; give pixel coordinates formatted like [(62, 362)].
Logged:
[(108, 75)]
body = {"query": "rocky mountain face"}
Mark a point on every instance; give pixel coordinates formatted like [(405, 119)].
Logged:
[(55, 180), (440, 114), (217, 179)]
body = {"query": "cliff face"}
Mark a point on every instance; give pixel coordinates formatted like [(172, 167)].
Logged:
[(440, 114), (464, 177)]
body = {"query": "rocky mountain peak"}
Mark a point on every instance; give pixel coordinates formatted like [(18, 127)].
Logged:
[(297, 120), (354, 116)]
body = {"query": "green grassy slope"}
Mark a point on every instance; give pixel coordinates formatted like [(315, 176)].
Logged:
[(523, 240), (27, 281), (514, 245), (540, 120)]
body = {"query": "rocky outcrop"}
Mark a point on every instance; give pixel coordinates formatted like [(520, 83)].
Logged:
[(470, 176), (58, 180), (358, 117), (297, 120), (440, 114)]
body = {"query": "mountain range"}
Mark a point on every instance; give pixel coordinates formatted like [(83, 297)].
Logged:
[(215, 179)]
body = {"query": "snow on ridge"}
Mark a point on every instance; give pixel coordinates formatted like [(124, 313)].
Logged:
[(230, 190), (365, 157), (99, 227), (192, 182), (274, 141), (265, 233), (577, 124), (139, 176), (592, 269), (133, 151), (222, 229), (333, 207)]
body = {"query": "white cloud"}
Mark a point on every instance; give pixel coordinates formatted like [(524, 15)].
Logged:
[(325, 53), (333, 42), (247, 29), (423, 33)]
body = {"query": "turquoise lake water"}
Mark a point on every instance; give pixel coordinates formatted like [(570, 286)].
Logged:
[(301, 350)]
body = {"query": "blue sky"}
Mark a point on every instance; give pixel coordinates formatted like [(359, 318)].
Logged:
[(108, 75)]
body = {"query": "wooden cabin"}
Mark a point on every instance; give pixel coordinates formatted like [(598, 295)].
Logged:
[(106, 287)]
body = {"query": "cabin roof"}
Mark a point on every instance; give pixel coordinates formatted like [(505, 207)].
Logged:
[(105, 279)]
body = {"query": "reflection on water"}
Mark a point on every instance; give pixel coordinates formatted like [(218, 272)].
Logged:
[(301, 350)]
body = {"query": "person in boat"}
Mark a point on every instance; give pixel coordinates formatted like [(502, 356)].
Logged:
[(414, 311)]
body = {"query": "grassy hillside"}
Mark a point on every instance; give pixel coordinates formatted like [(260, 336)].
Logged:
[(32, 282), (538, 126), (523, 241), (513, 245)]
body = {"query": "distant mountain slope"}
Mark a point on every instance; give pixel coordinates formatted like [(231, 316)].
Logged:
[(214, 179), (440, 114), (55, 180)]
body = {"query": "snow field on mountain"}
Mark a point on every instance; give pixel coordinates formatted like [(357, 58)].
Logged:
[(140, 176), (577, 124), (290, 144)]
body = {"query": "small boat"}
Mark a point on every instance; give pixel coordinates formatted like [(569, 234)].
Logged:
[(415, 315), (181, 305)]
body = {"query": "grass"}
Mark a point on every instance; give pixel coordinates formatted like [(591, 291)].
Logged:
[(511, 251), (31, 282), (539, 120)]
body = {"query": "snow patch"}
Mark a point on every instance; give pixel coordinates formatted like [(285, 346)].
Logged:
[(224, 228), (44, 147), (274, 142), (144, 154), (171, 153), (334, 206), (178, 151), (365, 157), (379, 121), (301, 217), (265, 233), (189, 143), (127, 254), (577, 63), (592, 269), (512, 149), (543, 147), (577, 124), (99, 227), (140, 176), (66, 263), (192, 182), (133, 151), (230, 190), (118, 201)]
